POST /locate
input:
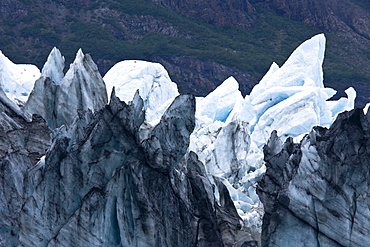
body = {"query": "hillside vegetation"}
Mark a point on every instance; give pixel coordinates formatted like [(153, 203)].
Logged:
[(114, 30)]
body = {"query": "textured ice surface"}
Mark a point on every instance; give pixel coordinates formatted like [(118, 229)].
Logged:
[(57, 98), (219, 103), (316, 193), (222, 141), (231, 131), (17, 80), (292, 99), (82, 88), (54, 66), (152, 81)]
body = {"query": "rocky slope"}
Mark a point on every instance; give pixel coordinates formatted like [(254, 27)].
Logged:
[(345, 16), (316, 193), (236, 12)]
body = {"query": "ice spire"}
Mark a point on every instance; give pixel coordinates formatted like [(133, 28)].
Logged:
[(54, 66)]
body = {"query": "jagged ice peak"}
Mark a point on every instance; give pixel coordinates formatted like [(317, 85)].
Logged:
[(226, 132), (54, 66)]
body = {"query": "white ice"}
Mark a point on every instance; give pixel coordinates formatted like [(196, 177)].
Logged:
[(17, 80), (218, 104), (81, 88), (231, 130), (151, 79), (54, 66), (366, 108), (292, 99)]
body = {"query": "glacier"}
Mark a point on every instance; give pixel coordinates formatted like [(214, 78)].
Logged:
[(229, 133), (315, 192), (292, 99), (54, 66), (231, 130)]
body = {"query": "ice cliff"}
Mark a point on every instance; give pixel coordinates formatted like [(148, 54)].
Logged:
[(231, 130), (22, 144), (101, 184), (315, 193), (292, 99), (152, 168)]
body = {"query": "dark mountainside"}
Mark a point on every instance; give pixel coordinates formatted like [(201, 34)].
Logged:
[(199, 43)]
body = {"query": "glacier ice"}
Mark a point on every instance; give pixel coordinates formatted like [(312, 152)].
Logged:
[(219, 103), (222, 141), (82, 87), (151, 79), (366, 108), (317, 191), (58, 100), (54, 66), (17, 80), (231, 130), (292, 99)]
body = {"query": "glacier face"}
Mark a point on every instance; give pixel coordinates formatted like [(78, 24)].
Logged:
[(292, 99), (316, 193), (231, 130), (100, 184), (23, 142), (214, 151)]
